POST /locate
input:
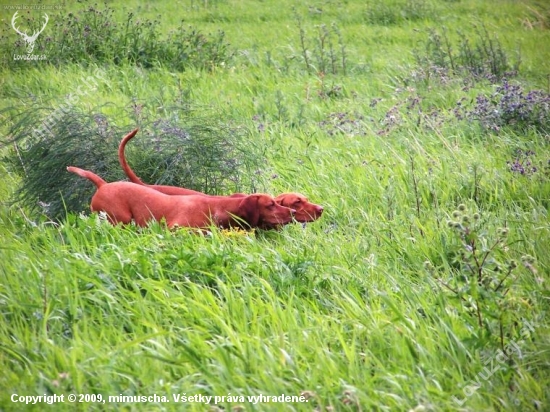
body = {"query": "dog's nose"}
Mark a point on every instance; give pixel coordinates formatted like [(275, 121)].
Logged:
[(292, 211), (320, 209)]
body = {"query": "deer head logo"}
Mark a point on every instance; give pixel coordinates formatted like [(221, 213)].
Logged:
[(29, 40)]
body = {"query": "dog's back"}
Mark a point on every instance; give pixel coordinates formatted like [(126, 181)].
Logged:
[(169, 190)]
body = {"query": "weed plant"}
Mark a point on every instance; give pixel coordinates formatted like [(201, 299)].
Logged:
[(507, 108), (527, 163), (512, 108), (483, 278), (483, 58), (323, 53)]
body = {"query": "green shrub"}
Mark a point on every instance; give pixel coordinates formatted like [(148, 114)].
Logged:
[(186, 148)]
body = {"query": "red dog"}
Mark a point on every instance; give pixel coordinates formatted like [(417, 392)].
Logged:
[(125, 201), (305, 211)]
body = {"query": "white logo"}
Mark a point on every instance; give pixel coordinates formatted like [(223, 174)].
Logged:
[(29, 39)]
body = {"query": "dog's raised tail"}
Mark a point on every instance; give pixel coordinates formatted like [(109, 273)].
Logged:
[(98, 181), (129, 172)]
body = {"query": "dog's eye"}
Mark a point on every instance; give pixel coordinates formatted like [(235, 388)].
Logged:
[(298, 201)]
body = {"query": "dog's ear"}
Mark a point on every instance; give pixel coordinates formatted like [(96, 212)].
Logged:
[(250, 210), (281, 199), (288, 199)]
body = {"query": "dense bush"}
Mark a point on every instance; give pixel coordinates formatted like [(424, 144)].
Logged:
[(197, 151)]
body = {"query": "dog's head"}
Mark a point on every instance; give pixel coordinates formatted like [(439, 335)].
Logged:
[(305, 210), (261, 210)]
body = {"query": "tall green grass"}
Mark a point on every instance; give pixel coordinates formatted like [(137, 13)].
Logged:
[(345, 310)]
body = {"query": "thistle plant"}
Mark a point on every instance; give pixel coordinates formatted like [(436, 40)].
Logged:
[(483, 275), (328, 54), (480, 58)]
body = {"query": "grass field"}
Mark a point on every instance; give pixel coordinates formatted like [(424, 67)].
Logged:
[(422, 127)]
